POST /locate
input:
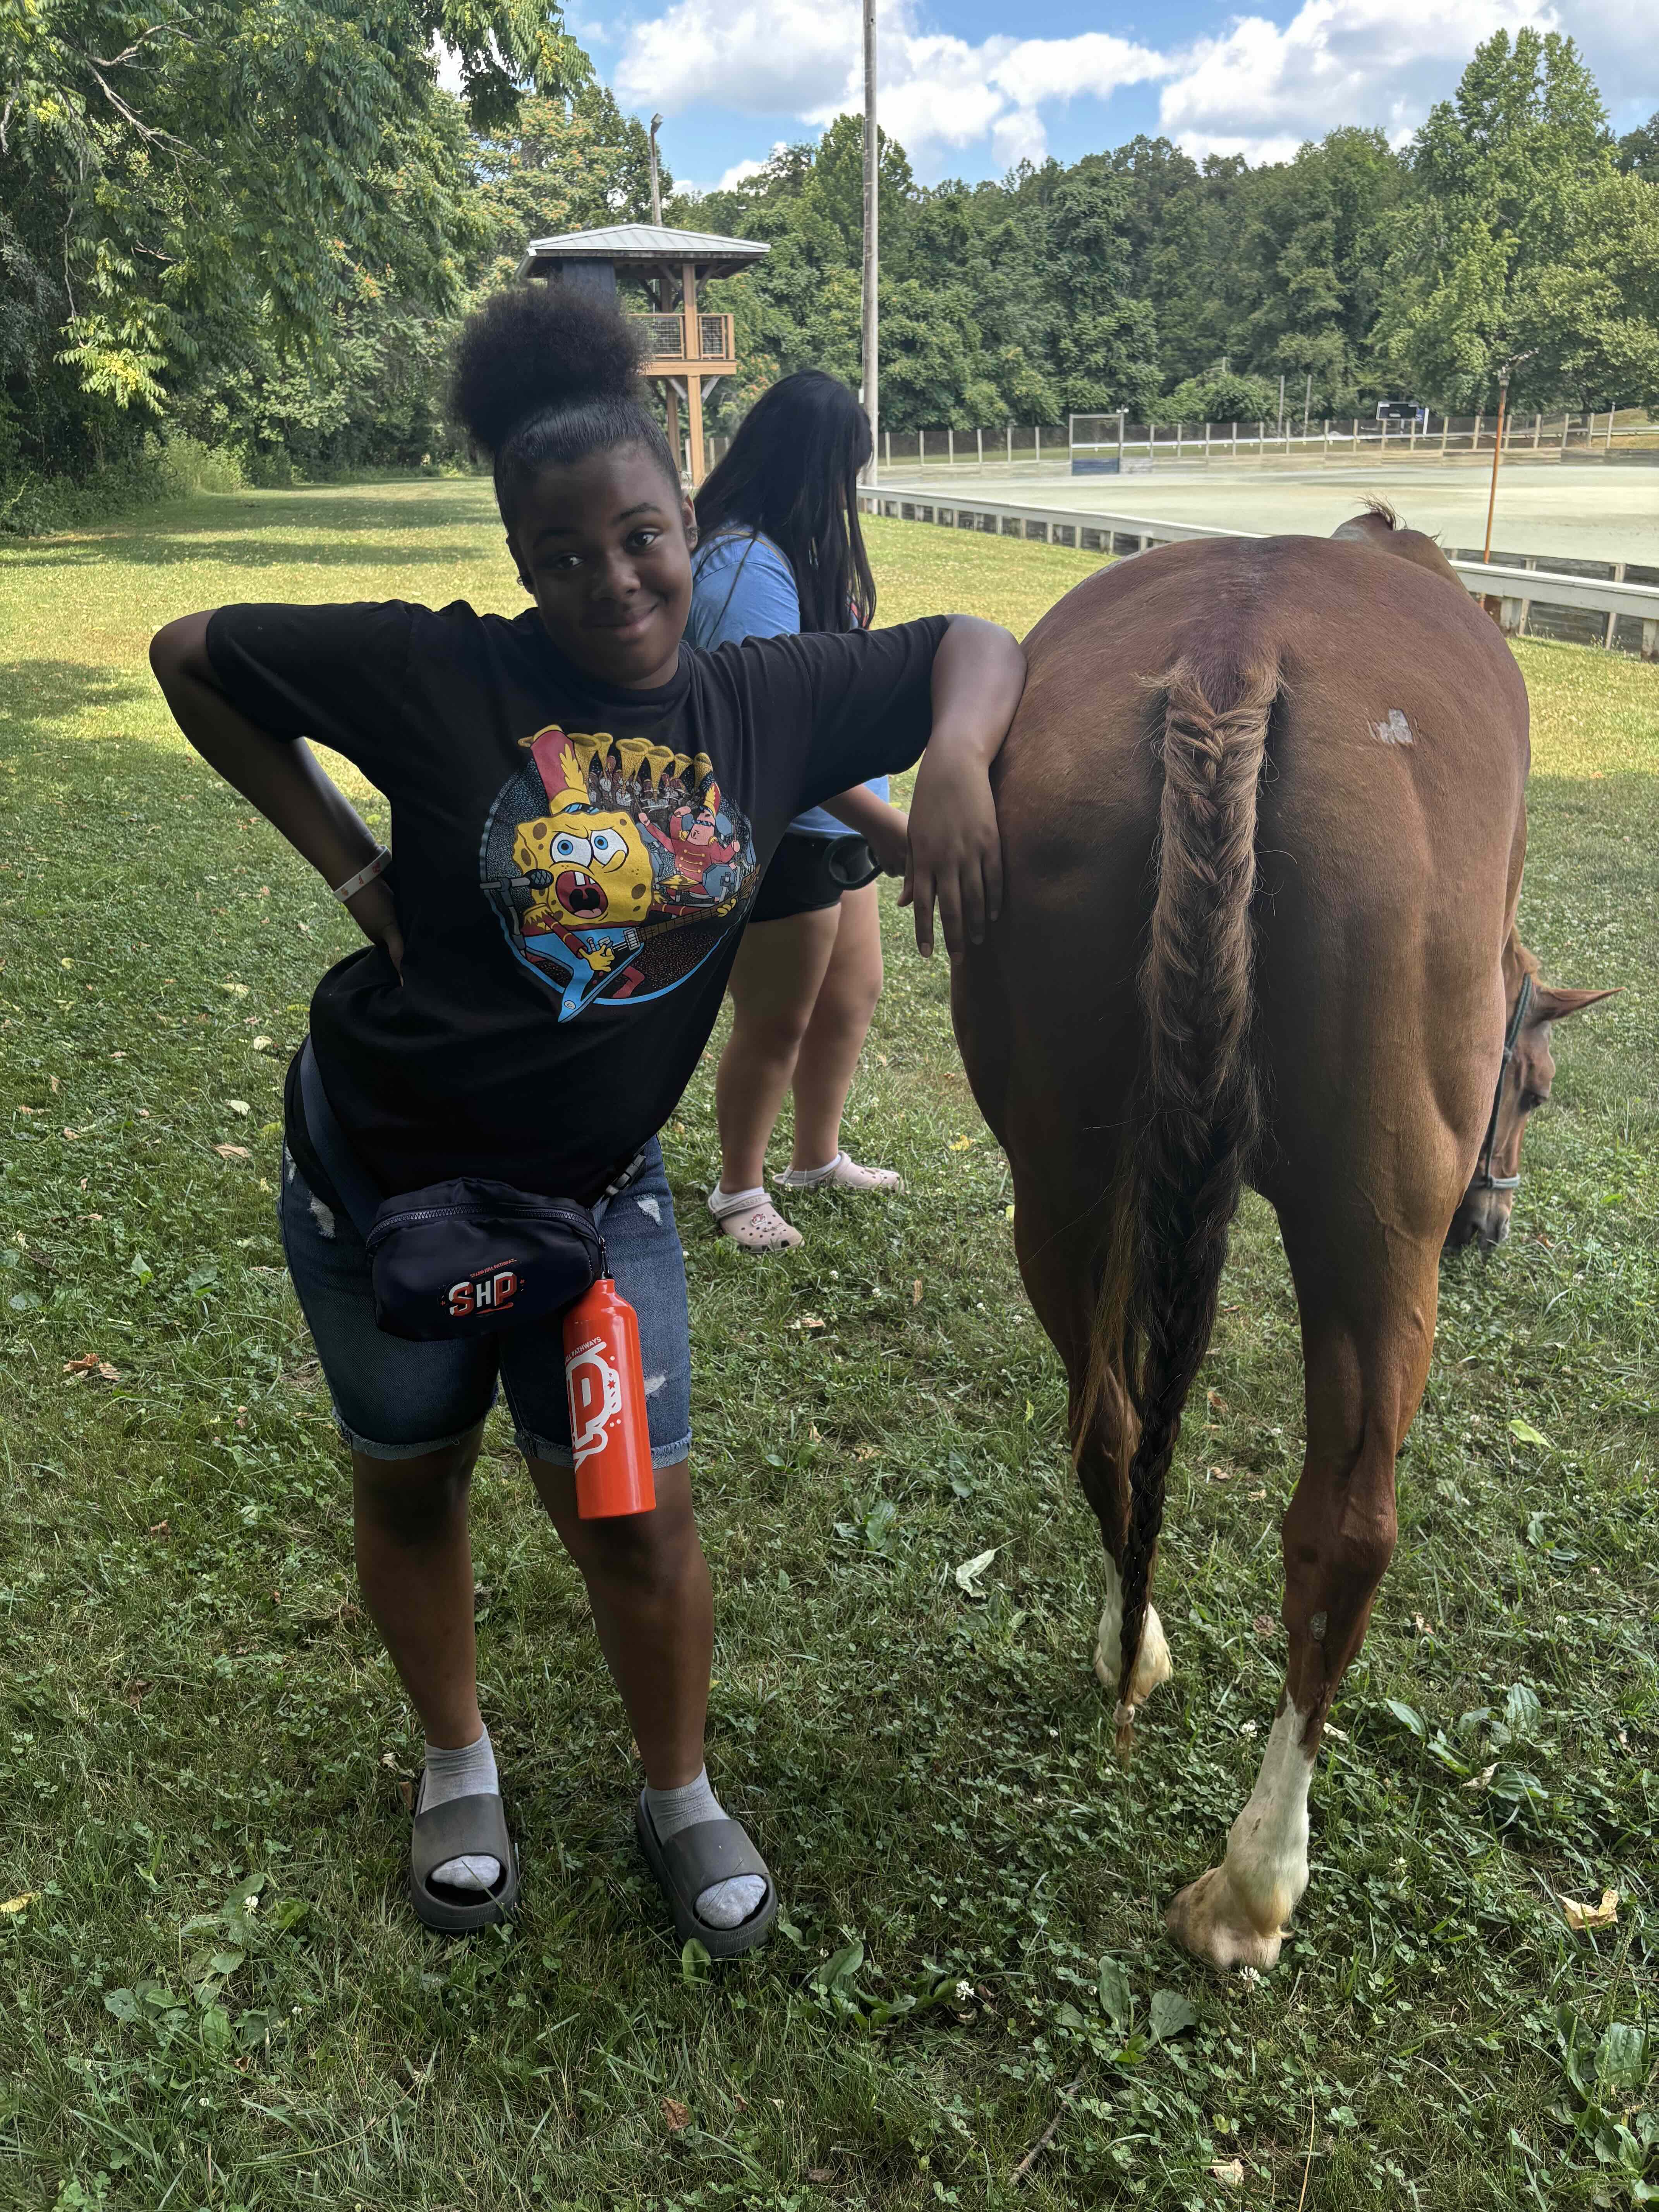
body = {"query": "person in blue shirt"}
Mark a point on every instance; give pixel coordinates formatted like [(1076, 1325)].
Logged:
[(780, 552)]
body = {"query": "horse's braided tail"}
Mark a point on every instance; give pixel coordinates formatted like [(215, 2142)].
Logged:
[(1199, 1088)]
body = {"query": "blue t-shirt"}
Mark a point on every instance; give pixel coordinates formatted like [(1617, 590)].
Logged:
[(742, 586)]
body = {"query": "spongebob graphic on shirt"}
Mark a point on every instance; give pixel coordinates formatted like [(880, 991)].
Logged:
[(614, 866)]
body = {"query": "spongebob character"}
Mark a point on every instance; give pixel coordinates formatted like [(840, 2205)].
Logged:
[(588, 872)]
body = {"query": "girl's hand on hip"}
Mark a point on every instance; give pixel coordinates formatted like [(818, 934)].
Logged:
[(956, 854), (375, 913)]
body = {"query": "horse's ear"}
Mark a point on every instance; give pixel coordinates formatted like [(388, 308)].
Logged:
[(1549, 1005)]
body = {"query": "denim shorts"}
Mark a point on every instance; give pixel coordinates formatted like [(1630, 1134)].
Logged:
[(394, 1400)]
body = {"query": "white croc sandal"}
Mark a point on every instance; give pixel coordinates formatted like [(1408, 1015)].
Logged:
[(750, 1218), (843, 1173)]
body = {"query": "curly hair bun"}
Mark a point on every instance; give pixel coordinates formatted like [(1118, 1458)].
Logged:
[(538, 347)]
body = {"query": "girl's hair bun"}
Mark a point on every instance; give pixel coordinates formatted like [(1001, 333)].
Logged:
[(537, 349)]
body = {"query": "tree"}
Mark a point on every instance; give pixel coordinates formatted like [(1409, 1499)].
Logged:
[(185, 182), (1502, 249)]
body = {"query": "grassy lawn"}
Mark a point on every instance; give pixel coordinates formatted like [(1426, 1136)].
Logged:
[(197, 1714)]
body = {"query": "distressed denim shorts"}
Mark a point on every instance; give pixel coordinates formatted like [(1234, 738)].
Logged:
[(394, 1400)]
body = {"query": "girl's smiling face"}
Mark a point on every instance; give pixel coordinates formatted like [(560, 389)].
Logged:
[(603, 547)]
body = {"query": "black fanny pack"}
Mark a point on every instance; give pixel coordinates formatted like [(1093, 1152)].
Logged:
[(465, 1258)]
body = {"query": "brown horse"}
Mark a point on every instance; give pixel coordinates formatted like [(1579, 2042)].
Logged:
[(1263, 822)]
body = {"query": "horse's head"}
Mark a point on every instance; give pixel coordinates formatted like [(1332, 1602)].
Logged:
[(1523, 1085)]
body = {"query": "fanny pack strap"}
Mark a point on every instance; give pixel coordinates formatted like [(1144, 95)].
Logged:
[(351, 1181)]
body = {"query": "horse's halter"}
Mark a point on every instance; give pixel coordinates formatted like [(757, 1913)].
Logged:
[(1484, 1177)]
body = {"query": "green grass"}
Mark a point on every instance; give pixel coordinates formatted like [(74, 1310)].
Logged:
[(195, 1711)]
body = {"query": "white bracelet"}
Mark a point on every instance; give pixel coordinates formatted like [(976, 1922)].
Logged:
[(353, 885)]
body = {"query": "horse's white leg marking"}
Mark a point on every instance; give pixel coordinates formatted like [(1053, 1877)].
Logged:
[(1153, 1667), (1234, 1915)]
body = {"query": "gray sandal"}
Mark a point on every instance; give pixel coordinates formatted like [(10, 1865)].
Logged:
[(695, 1860), (466, 1828)]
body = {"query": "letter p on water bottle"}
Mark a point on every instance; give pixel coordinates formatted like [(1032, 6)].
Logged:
[(609, 1430)]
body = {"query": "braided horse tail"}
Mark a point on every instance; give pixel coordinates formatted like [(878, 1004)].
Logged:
[(1200, 1111)]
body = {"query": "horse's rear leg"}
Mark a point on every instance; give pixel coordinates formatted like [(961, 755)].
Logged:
[(1059, 1246), (1368, 1308)]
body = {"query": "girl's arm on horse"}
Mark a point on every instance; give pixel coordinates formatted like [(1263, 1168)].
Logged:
[(279, 776), (956, 855)]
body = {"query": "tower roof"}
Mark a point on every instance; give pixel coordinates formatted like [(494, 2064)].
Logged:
[(643, 247)]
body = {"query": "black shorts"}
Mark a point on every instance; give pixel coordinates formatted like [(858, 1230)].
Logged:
[(808, 874)]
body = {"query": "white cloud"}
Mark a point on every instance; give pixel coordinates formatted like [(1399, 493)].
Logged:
[(1255, 87), (804, 57), (1262, 87)]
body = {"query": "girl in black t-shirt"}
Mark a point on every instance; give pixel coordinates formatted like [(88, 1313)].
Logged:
[(582, 807)]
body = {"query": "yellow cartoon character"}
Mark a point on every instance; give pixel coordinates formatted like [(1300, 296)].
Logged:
[(587, 867)]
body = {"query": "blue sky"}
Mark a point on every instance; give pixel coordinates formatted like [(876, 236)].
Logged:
[(971, 85)]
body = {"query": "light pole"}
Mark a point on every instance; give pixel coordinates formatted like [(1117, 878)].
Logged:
[(872, 212), (1504, 368), (656, 184)]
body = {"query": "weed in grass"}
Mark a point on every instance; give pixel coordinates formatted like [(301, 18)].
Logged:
[(211, 1992)]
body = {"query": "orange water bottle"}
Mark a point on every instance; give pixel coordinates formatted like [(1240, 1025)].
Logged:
[(610, 1431)]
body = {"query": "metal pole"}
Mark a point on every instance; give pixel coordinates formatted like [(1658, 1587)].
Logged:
[(872, 213), (656, 183), (1307, 403), (1496, 455), (1121, 413)]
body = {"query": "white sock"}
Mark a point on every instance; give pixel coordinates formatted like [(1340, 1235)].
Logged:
[(809, 1178), (468, 1772), (723, 1202), (723, 1904)]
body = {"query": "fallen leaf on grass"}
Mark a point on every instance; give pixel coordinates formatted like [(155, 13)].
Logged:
[(52, 1079), (1256, 1495), (262, 1043), (1219, 1473), (90, 1363), (233, 1152), (1228, 2172), (26, 1897), (1580, 1917), (239, 1106), (1172, 2015), (156, 1528), (959, 1144), (1524, 1432), (676, 2115), (820, 2174), (236, 990), (1265, 1625), (915, 1292), (1479, 1781), (1215, 1401), (969, 1572), (807, 1320)]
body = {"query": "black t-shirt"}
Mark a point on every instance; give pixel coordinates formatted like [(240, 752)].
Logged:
[(574, 862)]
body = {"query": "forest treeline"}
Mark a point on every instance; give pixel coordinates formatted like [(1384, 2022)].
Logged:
[(249, 228)]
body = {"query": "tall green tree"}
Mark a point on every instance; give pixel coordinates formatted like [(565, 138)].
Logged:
[(1503, 250), (183, 182)]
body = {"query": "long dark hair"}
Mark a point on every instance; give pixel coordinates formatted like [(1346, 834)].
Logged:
[(792, 472), (544, 375)]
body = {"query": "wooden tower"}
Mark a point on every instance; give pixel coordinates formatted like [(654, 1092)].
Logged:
[(686, 350)]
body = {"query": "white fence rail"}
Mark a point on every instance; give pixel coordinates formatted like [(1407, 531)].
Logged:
[(1613, 611), (1088, 445)]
